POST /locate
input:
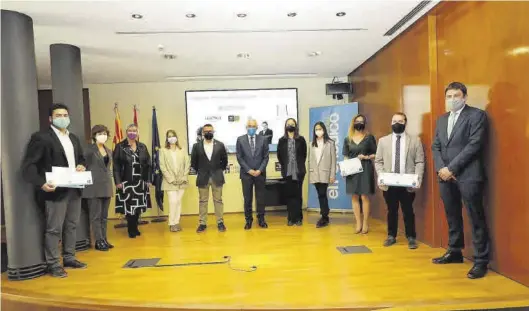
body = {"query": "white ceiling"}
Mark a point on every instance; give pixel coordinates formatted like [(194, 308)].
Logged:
[(208, 44)]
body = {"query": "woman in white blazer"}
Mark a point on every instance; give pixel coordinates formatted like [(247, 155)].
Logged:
[(174, 164), (322, 168)]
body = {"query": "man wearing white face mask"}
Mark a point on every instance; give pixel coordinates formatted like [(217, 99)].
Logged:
[(458, 149), (97, 195), (62, 206)]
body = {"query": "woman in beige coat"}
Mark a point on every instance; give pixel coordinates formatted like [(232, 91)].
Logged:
[(174, 164)]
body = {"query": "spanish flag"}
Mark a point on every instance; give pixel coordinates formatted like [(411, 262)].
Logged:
[(118, 132)]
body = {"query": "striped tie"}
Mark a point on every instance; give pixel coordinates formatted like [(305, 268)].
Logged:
[(252, 145), (397, 155)]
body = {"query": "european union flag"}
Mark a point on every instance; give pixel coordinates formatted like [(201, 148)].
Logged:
[(156, 173)]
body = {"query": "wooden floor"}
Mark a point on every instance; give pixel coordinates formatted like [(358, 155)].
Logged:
[(298, 268)]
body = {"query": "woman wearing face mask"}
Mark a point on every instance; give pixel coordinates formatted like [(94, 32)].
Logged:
[(174, 164), (362, 145), (292, 154), (98, 194), (322, 168), (132, 176)]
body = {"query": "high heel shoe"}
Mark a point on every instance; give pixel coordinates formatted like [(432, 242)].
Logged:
[(358, 230), (365, 230)]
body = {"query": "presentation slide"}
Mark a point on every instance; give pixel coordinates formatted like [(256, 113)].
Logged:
[(229, 110)]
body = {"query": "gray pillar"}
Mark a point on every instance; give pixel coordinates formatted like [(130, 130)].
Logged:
[(67, 88), (20, 119)]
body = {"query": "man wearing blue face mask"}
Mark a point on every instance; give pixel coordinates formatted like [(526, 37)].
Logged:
[(458, 148), (252, 155), (60, 148)]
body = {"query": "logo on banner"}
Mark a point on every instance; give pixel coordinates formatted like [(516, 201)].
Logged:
[(334, 130)]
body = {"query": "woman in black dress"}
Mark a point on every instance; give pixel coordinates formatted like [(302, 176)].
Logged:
[(132, 176), (362, 145)]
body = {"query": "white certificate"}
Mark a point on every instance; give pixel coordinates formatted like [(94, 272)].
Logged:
[(398, 180), (68, 178), (350, 167)]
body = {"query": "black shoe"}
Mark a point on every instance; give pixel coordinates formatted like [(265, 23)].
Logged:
[(412, 243), (101, 246), (108, 244), (478, 271), (299, 223), (57, 272), (221, 227), (323, 222), (390, 241), (248, 225), (201, 228), (263, 224), (132, 235), (449, 257), (138, 233), (290, 223), (75, 264)]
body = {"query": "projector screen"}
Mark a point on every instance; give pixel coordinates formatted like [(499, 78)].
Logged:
[(229, 110)]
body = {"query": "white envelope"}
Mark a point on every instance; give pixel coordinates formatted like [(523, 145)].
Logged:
[(350, 167), (68, 178), (398, 180)]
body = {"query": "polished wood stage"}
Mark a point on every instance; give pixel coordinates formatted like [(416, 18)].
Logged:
[(298, 268)]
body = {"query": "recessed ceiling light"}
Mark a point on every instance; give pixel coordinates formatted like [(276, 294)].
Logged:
[(243, 55), (160, 47), (169, 56), (340, 14), (191, 15), (292, 14), (314, 54), (242, 15), (137, 16)]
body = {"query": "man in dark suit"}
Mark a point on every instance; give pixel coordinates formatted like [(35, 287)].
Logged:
[(458, 149), (209, 159), (266, 132), (252, 155), (56, 147)]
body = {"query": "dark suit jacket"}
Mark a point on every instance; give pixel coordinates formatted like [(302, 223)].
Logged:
[(257, 161), (45, 150), (102, 179), (207, 169), (301, 155), (269, 134), (122, 166), (462, 152)]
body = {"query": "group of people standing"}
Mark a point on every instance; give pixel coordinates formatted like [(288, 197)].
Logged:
[(459, 139)]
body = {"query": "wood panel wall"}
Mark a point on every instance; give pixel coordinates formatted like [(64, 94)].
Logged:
[(486, 46)]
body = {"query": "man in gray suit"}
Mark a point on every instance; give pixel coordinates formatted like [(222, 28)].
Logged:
[(252, 155), (400, 153), (460, 136)]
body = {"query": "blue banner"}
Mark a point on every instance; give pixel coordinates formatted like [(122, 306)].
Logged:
[(337, 120)]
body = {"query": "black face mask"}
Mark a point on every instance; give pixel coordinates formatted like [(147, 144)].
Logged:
[(208, 135), (291, 128), (398, 128), (359, 126)]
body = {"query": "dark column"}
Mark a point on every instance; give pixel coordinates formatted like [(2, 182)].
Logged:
[(24, 221), (67, 88)]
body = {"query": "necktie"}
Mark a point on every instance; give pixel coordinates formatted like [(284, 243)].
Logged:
[(252, 144), (397, 155), (451, 122)]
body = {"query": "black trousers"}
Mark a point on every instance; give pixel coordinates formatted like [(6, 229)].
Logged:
[(321, 188), (395, 196), (248, 184), (132, 222), (293, 190), (453, 194)]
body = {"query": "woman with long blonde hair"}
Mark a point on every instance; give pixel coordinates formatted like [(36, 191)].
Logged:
[(362, 145)]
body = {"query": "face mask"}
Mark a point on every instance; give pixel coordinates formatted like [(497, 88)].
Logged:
[(208, 135), (398, 128), (61, 122), (132, 135), (359, 126), (101, 139), (319, 133), (291, 128), (455, 104), (172, 140), (251, 131)]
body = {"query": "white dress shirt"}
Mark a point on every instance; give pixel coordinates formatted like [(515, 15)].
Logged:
[(208, 148), (402, 152), (67, 145), (455, 115), (319, 149)]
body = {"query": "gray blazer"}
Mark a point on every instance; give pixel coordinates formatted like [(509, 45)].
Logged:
[(462, 152), (257, 161), (414, 157), (323, 171), (101, 173)]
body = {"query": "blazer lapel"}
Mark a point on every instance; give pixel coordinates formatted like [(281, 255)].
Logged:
[(444, 128), (58, 142), (462, 117), (407, 139), (258, 144), (322, 152)]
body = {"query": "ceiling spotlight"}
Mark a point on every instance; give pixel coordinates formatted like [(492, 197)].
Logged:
[(241, 15), (340, 14), (137, 16), (169, 56), (314, 54), (191, 15), (160, 47), (292, 14), (243, 55)]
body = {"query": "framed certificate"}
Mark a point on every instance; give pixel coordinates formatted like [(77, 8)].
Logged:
[(350, 167)]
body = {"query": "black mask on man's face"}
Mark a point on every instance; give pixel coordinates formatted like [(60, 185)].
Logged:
[(208, 135), (398, 128)]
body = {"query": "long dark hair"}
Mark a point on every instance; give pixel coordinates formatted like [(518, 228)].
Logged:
[(326, 137), (296, 131), (167, 144)]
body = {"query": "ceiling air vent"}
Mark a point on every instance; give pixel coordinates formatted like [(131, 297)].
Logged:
[(407, 18)]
